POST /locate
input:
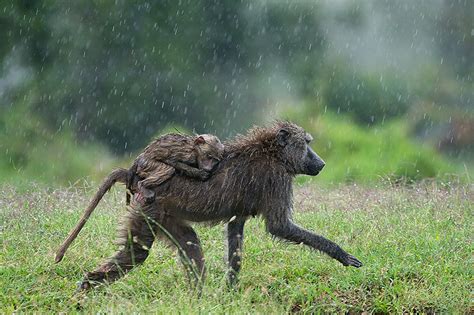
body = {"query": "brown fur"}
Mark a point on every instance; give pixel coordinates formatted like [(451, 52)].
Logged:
[(193, 156), (254, 178)]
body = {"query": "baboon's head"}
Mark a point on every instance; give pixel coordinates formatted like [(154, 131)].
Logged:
[(295, 149), (209, 151)]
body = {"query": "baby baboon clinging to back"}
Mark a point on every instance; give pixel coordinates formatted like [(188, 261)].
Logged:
[(253, 179), (192, 156), (195, 157)]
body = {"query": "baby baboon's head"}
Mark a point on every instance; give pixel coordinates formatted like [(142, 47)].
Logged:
[(209, 151)]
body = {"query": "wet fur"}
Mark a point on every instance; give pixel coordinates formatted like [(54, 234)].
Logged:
[(254, 178), (157, 164)]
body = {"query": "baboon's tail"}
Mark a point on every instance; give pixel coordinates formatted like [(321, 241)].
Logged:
[(119, 175), (132, 181)]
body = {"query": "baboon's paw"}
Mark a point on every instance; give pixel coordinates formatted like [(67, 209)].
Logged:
[(350, 260), (82, 286)]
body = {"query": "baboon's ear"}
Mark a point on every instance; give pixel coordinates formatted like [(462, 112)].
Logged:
[(282, 137), (199, 140)]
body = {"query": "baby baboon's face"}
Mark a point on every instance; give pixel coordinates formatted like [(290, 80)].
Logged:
[(209, 151)]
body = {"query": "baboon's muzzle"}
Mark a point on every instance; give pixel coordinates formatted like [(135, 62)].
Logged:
[(315, 164)]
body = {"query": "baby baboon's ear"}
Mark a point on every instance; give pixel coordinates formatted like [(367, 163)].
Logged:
[(282, 137), (199, 140)]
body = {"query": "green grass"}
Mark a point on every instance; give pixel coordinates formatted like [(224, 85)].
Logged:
[(415, 243)]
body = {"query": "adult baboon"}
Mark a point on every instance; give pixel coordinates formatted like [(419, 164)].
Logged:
[(194, 156), (254, 178)]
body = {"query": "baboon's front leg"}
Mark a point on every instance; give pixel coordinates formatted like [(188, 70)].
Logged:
[(185, 239), (135, 240), (290, 231), (235, 238)]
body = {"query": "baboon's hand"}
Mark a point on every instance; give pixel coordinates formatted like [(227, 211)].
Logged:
[(349, 260), (203, 175), (83, 286)]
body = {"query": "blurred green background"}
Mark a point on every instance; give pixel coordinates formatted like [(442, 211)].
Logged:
[(385, 87)]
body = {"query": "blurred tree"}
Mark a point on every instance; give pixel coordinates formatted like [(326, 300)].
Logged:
[(118, 71), (456, 36), (368, 98), (23, 30)]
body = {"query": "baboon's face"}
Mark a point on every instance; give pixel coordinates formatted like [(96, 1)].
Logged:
[(297, 153), (209, 152)]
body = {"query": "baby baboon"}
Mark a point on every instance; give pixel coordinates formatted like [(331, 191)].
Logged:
[(254, 178), (193, 156)]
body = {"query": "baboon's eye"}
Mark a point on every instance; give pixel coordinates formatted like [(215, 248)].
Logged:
[(214, 158)]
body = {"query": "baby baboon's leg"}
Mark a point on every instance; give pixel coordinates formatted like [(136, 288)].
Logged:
[(159, 175), (185, 239), (135, 239), (235, 238)]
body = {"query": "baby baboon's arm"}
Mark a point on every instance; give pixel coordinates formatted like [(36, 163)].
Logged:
[(190, 171)]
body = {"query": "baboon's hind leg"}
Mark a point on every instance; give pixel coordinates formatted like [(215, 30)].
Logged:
[(135, 240), (184, 238)]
